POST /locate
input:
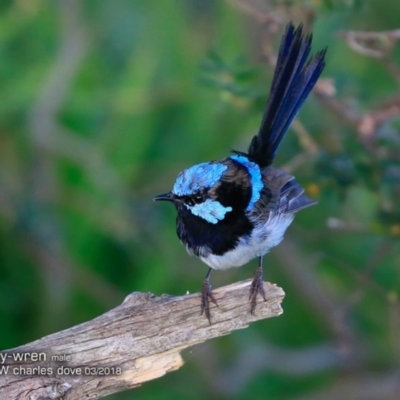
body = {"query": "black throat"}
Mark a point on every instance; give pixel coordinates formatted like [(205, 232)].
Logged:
[(198, 234)]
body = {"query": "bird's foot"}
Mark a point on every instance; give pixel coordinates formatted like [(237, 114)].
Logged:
[(257, 287), (207, 297)]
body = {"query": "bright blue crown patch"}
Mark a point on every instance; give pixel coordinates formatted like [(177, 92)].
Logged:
[(193, 179), (256, 179)]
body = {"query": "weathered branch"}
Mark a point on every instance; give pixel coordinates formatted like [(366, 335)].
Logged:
[(135, 342)]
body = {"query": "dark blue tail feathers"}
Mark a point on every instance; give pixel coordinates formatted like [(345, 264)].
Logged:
[(293, 80)]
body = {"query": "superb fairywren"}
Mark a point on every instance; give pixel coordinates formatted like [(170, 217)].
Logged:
[(236, 209)]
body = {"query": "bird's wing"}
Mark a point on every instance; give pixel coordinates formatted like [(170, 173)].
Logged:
[(281, 193)]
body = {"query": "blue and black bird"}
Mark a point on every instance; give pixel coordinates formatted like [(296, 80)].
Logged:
[(237, 209)]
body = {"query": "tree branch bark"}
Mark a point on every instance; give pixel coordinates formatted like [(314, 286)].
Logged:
[(137, 341)]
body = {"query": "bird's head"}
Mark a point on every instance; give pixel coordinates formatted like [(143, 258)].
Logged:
[(214, 190)]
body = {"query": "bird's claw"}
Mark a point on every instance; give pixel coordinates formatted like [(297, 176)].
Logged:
[(257, 287), (207, 297)]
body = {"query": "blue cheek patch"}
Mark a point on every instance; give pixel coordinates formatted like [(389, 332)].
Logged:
[(256, 179), (193, 179), (210, 210)]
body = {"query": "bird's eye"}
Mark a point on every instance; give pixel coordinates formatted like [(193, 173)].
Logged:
[(194, 199), (197, 199)]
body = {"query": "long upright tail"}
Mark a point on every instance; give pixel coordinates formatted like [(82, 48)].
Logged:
[(293, 80)]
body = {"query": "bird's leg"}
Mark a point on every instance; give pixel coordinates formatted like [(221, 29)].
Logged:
[(257, 287), (206, 296)]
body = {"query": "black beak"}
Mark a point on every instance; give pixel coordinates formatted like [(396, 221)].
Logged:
[(165, 197)]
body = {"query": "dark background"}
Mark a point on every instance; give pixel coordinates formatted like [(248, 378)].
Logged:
[(104, 102)]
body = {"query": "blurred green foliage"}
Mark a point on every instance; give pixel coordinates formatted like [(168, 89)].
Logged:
[(104, 102)]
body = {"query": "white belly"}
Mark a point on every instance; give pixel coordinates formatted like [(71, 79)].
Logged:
[(263, 238)]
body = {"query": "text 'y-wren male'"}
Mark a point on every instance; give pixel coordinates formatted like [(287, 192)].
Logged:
[(237, 209)]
